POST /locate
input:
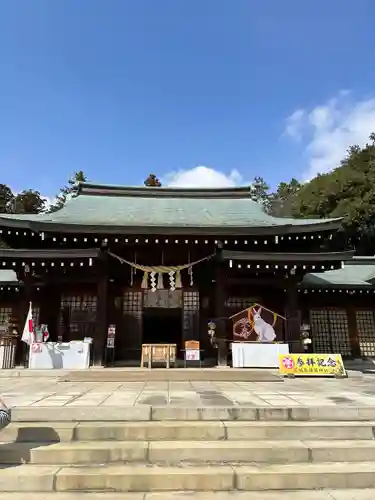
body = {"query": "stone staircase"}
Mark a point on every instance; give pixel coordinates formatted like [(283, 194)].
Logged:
[(143, 453)]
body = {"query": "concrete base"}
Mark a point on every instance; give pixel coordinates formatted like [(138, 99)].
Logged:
[(365, 494), (225, 374)]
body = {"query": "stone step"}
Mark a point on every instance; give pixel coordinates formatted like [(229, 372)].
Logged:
[(41, 432), (363, 494), (125, 478), (142, 413), (177, 452)]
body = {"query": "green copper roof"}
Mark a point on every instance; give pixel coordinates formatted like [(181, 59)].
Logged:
[(111, 206), (358, 272)]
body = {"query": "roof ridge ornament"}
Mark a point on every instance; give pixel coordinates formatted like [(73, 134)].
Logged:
[(164, 192)]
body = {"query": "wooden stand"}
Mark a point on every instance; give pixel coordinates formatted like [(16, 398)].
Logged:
[(158, 353)]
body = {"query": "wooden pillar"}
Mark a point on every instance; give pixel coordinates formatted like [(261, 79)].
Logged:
[(220, 318), (26, 293), (293, 329), (353, 332), (102, 310)]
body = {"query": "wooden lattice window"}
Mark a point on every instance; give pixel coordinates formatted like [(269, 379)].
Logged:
[(132, 302), (239, 303), (128, 344), (330, 331), (191, 315), (340, 331), (78, 303), (191, 301), (366, 331), (5, 313), (132, 310)]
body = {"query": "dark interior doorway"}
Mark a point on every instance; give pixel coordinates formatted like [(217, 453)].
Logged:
[(162, 326)]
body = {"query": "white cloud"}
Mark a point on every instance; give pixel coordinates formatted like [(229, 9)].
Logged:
[(49, 201), (294, 122), (329, 129), (201, 176)]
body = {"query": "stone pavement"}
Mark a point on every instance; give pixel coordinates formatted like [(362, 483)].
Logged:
[(342, 411), (48, 391), (186, 495)]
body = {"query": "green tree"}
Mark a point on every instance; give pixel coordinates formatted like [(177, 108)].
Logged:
[(152, 181), (259, 191), (349, 192), (281, 201), (6, 198), (68, 191), (28, 202)]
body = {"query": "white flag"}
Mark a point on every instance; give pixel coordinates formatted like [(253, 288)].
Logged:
[(28, 329)]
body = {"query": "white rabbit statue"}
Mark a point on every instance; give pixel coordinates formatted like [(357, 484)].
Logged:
[(264, 330)]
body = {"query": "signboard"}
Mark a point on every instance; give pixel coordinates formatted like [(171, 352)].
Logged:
[(111, 337), (192, 344), (257, 324), (192, 354), (323, 365)]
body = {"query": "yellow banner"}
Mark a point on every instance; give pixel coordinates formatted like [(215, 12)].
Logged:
[(312, 364)]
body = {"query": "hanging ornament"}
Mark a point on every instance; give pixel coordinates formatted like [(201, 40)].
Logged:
[(190, 271), (134, 271), (160, 281), (172, 284), (178, 280), (144, 284), (153, 282)]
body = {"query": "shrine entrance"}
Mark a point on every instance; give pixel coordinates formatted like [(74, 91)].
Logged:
[(162, 317), (162, 326)]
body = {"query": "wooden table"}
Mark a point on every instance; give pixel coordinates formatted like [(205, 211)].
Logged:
[(158, 353)]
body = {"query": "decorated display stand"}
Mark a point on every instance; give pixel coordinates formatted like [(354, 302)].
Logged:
[(256, 331), (43, 355), (74, 355)]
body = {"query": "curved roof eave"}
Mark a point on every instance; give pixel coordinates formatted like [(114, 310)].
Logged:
[(278, 229)]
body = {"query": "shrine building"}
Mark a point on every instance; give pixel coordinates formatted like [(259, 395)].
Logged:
[(161, 263)]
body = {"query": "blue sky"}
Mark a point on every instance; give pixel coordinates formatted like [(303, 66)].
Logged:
[(122, 88)]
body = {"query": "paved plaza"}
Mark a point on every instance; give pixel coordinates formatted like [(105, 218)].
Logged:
[(49, 391), (70, 406)]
